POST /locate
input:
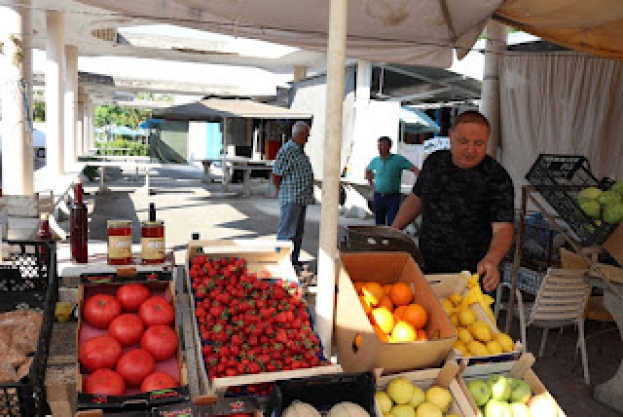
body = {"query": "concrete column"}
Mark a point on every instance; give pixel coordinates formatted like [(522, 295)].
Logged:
[(80, 122), (89, 123), (327, 255), (71, 104), (300, 72), (364, 78), (16, 78), (54, 92), (490, 99)]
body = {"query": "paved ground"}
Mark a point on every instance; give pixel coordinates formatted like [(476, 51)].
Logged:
[(187, 205)]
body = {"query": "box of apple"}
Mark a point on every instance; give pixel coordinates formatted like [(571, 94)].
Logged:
[(510, 389), (426, 393)]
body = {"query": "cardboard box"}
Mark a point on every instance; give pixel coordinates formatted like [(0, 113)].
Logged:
[(444, 285), (521, 369), (269, 259), (159, 283), (351, 320), (614, 244), (446, 377)]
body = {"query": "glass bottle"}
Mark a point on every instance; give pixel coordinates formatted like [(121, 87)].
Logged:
[(44, 232), (79, 226), (152, 212)]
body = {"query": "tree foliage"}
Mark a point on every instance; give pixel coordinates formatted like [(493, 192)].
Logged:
[(120, 116)]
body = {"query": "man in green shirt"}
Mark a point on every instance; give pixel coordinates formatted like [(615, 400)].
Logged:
[(384, 174)]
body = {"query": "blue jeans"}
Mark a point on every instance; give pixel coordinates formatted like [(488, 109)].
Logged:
[(386, 207), (292, 226)]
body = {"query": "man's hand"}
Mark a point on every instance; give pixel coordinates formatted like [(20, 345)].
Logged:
[(489, 273)]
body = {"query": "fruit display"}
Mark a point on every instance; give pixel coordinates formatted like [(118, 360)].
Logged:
[(499, 395), (342, 409), (604, 205), (128, 344), (392, 312), (247, 324), (470, 313), (403, 398)]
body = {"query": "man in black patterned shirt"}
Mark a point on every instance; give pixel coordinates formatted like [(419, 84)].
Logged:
[(466, 199)]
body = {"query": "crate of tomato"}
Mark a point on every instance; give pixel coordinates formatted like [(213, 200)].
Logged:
[(129, 352), (28, 293), (252, 324)]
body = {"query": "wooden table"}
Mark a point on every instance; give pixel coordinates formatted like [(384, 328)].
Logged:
[(246, 165)]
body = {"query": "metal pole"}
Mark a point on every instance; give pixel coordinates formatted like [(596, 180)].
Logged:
[(327, 255)]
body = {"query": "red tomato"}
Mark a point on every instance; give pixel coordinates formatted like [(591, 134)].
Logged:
[(161, 341), (156, 310), (99, 352), (135, 365), (158, 381), (131, 296), (104, 382), (127, 329), (100, 309)]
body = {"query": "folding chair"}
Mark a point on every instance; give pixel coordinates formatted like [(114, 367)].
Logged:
[(560, 302)]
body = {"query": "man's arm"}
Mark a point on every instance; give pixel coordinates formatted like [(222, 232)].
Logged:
[(414, 169), (370, 177), (409, 210), (277, 183), (501, 242)]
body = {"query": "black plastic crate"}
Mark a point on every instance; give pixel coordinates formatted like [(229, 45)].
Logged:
[(324, 391), (26, 282), (559, 179), (379, 239)]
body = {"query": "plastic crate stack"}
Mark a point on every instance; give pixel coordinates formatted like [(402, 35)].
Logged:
[(28, 281), (559, 179)]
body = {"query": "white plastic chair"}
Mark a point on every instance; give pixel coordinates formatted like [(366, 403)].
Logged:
[(560, 302)]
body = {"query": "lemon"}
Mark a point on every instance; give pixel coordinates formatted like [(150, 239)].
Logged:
[(447, 306), (464, 335), (456, 299), (466, 316), (477, 348), (441, 397), (460, 346), (481, 331), (454, 318), (494, 347), (505, 341), (428, 409), (384, 401)]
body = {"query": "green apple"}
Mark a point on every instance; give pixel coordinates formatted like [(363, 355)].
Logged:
[(418, 396), (384, 401), (543, 405), (520, 410), (498, 408), (479, 391), (520, 391), (400, 390), (403, 410), (500, 387)]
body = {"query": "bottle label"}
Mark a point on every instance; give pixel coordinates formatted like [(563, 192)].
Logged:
[(152, 248), (119, 247)]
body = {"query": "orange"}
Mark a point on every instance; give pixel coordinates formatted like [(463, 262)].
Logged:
[(399, 312), (401, 294), (421, 334), (358, 286), (415, 315), (387, 288), (387, 303), (365, 304), (403, 332), (383, 318), (373, 292), (379, 333)]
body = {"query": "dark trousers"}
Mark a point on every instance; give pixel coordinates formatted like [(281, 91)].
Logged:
[(386, 207)]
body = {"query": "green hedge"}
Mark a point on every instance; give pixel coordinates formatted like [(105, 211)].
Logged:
[(122, 147)]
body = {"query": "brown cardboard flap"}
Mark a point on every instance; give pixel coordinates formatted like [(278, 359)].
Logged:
[(447, 374), (524, 363), (614, 244)]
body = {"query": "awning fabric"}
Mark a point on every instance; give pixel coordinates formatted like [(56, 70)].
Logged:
[(594, 27), (214, 109)]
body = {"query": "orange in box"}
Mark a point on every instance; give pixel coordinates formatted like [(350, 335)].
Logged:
[(351, 321)]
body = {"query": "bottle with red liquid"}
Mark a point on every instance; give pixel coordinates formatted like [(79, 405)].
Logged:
[(79, 226)]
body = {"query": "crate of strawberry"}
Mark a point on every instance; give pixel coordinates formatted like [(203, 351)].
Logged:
[(253, 325)]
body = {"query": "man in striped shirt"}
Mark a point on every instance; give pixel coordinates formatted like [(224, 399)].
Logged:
[(293, 178)]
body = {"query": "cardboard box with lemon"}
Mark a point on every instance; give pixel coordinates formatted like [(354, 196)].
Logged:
[(478, 337)]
